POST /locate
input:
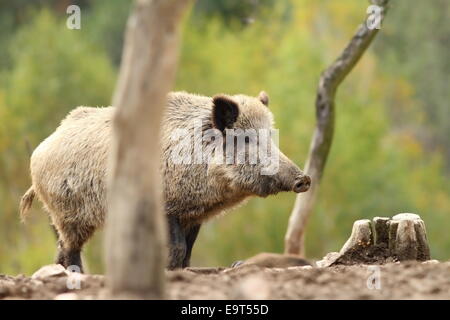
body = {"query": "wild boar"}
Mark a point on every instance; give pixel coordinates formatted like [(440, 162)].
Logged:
[(69, 168)]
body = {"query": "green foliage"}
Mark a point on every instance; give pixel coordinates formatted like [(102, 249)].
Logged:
[(49, 76), (377, 166), (372, 170), (105, 24), (50, 73), (232, 11), (416, 42)]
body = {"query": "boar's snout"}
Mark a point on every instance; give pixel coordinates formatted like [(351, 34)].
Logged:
[(291, 177), (301, 184)]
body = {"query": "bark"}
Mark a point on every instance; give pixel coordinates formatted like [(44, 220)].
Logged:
[(136, 229), (329, 81)]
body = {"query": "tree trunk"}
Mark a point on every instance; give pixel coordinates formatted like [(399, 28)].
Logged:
[(136, 229), (329, 81)]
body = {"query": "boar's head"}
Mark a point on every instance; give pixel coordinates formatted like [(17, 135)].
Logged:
[(251, 161)]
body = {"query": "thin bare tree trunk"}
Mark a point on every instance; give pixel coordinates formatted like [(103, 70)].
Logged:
[(136, 230), (329, 81)]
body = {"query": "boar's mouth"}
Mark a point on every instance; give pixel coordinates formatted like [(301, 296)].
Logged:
[(271, 187)]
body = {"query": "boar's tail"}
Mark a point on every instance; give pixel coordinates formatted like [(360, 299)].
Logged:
[(25, 203)]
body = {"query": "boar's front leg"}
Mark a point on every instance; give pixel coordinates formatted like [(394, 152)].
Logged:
[(191, 234), (177, 243)]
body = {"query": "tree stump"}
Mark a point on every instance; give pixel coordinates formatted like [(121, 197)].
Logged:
[(382, 240)]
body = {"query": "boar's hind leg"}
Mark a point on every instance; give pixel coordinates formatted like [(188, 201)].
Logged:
[(68, 256), (191, 234), (177, 243), (71, 240)]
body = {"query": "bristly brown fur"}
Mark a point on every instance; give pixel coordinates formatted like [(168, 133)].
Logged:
[(69, 168)]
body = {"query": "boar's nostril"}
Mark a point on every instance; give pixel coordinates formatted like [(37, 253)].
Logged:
[(299, 186), (302, 184)]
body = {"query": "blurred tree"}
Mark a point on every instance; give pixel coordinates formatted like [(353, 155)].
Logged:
[(136, 233), (104, 24), (241, 11), (417, 44), (49, 75)]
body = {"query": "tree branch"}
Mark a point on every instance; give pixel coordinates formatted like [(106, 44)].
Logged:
[(329, 82)]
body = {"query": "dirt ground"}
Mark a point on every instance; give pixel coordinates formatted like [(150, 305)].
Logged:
[(407, 280)]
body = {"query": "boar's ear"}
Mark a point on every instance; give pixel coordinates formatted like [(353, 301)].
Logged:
[(264, 98), (225, 112)]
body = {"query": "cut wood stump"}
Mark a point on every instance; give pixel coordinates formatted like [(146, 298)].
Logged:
[(400, 238)]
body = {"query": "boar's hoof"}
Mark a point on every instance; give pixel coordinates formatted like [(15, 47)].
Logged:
[(237, 263)]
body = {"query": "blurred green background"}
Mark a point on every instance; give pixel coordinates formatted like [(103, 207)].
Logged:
[(391, 149)]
